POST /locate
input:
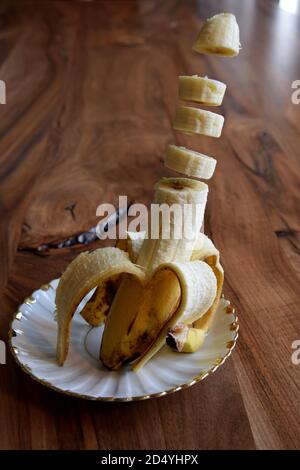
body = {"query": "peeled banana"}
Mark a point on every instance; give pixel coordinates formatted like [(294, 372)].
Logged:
[(130, 329), (202, 90), (151, 308), (219, 35), (198, 121), (189, 162), (164, 285)]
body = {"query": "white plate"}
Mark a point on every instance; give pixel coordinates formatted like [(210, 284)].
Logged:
[(33, 343)]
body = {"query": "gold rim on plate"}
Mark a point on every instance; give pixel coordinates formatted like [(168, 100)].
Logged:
[(234, 326)]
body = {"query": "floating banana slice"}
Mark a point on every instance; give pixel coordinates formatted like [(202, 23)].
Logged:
[(219, 35), (198, 121), (202, 90), (85, 272), (189, 162)]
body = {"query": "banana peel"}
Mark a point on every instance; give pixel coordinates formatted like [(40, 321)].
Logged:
[(137, 316), (96, 309), (86, 271), (189, 338)]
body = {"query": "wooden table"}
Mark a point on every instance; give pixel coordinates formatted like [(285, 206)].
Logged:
[(91, 93)]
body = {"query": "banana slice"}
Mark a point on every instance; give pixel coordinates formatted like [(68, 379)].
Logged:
[(85, 272), (219, 36), (201, 90), (189, 162), (198, 121)]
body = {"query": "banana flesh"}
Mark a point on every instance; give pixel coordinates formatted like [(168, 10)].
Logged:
[(185, 338), (189, 162), (198, 121), (132, 244), (219, 36), (202, 90), (180, 191)]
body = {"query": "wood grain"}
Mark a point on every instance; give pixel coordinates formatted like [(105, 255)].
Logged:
[(91, 94)]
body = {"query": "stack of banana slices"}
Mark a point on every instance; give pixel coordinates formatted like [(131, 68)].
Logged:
[(149, 292)]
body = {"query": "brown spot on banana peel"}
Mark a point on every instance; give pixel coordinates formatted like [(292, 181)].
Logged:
[(96, 309)]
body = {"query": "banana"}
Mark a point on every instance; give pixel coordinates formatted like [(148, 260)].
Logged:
[(176, 192), (176, 294), (201, 90), (198, 121), (138, 314), (86, 271), (219, 36), (189, 162), (166, 285)]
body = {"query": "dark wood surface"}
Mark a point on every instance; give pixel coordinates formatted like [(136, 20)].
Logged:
[(91, 92)]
